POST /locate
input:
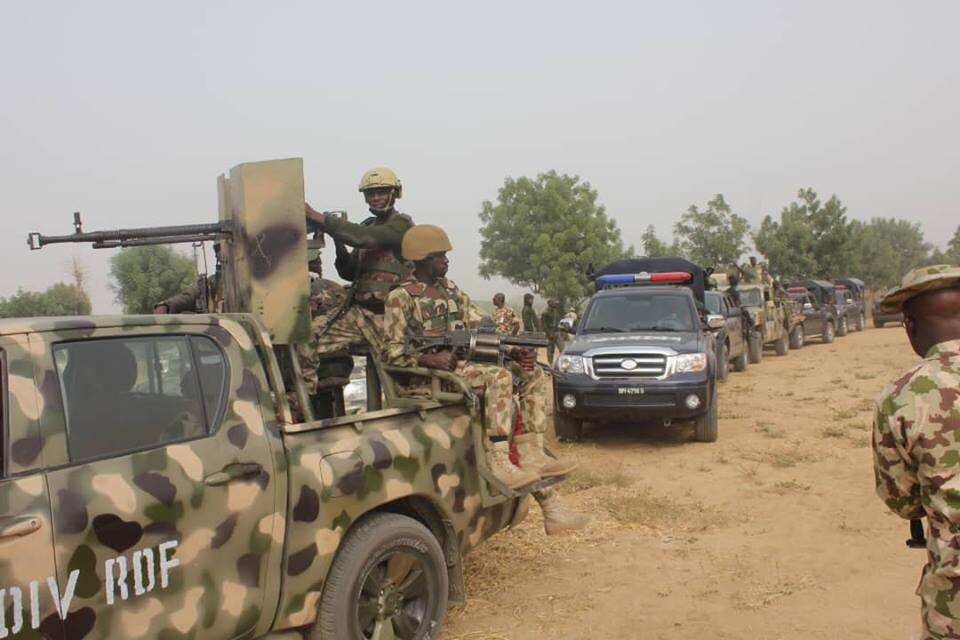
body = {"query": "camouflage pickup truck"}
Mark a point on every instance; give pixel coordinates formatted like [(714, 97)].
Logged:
[(773, 320), (155, 486)]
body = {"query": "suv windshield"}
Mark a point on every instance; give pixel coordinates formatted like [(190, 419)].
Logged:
[(639, 312), (751, 298)]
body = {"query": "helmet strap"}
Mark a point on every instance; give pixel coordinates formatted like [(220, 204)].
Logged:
[(388, 207)]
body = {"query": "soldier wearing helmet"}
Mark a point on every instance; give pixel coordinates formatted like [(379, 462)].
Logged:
[(428, 303), (368, 256)]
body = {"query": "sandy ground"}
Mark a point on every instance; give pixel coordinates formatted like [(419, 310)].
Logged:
[(774, 531)]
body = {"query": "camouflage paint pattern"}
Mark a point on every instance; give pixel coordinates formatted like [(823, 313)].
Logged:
[(922, 280), (917, 467), (507, 321)]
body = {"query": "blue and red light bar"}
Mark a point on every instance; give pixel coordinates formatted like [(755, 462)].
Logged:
[(667, 277), (797, 290)]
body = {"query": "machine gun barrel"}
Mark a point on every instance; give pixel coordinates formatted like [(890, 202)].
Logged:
[(134, 237)]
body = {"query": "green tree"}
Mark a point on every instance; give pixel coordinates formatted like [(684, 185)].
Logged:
[(713, 236), (654, 247), (59, 300), (884, 249), (953, 251), (811, 239), (143, 276), (543, 233)]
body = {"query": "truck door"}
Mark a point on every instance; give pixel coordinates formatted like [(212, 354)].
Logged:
[(167, 502), (28, 604), (734, 325)]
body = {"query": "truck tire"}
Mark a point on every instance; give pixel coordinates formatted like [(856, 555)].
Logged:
[(740, 362), (755, 348), (877, 324), (828, 333), (723, 365), (568, 429), (781, 345), (861, 322), (707, 425), (842, 328), (796, 337), (416, 598)]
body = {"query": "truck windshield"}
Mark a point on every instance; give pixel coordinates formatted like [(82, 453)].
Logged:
[(713, 303), (639, 312), (751, 298)]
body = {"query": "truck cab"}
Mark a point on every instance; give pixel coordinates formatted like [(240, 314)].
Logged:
[(854, 291), (643, 350), (817, 321)]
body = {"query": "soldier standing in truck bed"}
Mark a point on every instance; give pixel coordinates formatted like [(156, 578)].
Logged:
[(374, 266), (506, 319), (191, 299)]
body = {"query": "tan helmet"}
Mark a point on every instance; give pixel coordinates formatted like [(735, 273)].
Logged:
[(423, 239), (380, 177)]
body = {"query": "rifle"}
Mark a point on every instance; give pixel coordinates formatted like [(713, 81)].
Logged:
[(917, 538), (479, 346)]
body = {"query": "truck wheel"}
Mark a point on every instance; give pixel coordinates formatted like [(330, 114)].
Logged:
[(828, 333), (861, 322), (877, 324), (755, 348), (842, 328), (781, 345), (723, 366), (706, 425), (567, 429), (796, 337), (389, 580), (740, 362)]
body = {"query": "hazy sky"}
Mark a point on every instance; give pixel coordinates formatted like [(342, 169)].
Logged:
[(128, 111)]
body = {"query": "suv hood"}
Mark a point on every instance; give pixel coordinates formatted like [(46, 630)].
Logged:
[(679, 341)]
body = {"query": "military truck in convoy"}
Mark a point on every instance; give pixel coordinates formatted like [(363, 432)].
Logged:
[(157, 484), (643, 350), (772, 320), (881, 317)]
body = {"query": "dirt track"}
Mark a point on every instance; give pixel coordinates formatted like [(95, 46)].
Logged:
[(772, 532)]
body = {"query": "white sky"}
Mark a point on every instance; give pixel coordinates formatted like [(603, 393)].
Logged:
[(128, 111)]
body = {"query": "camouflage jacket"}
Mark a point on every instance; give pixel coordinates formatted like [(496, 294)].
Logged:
[(375, 265), (507, 321), (414, 309), (189, 300), (530, 320), (917, 467), (325, 296), (550, 319)]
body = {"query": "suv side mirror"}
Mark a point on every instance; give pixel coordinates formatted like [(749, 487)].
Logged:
[(715, 321), (566, 325)]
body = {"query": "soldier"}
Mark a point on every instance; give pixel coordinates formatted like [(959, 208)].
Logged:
[(549, 320), (505, 318), (751, 273), (191, 299), (427, 303), (916, 452), (374, 266), (530, 320)]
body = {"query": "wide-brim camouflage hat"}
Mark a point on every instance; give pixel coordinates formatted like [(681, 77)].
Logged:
[(922, 280)]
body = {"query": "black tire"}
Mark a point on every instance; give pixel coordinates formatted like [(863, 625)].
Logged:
[(723, 366), (781, 345), (878, 324), (755, 348), (568, 429), (843, 327), (740, 362), (796, 337), (861, 322), (706, 426), (362, 567), (828, 333)]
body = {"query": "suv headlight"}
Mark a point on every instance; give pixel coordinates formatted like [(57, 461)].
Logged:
[(690, 362), (571, 364)]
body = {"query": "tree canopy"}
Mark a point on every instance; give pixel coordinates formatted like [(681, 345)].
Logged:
[(143, 276), (713, 236), (61, 299), (653, 247), (884, 249), (544, 232)]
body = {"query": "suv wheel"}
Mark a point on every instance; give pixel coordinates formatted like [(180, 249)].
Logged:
[(828, 333), (389, 580), (568, 429), (740, 362), (861, 322), (781, 345), (707, 424), (723, 365), (755, 348), (877, 324), (796, 337), (842, 328)]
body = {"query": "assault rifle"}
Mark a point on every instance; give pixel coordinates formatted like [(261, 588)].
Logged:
[(483, 345)]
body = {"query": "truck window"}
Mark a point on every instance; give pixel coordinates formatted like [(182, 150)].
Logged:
[(751, 298), (640, 312), (714, 303), (129, 394)]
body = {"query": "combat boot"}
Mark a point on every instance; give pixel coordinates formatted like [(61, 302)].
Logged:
[(556, 517), (498, 459), (533, 457)]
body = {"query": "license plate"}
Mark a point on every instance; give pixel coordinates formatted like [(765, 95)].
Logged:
[(630, 391)]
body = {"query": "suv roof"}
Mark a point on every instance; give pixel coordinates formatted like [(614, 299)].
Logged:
[(12, 326)]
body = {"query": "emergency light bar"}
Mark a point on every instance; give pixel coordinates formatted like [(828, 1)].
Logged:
[(667, 277), (797, 290)]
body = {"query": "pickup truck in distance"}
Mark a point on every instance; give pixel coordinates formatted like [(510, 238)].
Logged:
[(154, 485), (640, 352), (818, 320)]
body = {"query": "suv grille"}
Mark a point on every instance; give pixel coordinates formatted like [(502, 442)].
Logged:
[(638, 365)]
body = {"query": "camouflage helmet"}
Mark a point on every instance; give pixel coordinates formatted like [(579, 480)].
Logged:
[(920, 281), (423, 239), (380, 177)]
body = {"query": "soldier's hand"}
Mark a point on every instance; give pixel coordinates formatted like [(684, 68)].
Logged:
[(527, 359), (444, 360), (317, 219), (161, 309)]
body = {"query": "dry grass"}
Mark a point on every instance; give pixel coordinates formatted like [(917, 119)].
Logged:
[(845, 414), (647, 509), (587, 478), (789, 486), (834, 431), (769, 430), (865, 376)]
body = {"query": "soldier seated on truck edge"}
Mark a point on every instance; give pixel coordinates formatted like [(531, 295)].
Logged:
[(427, 303), (374, 266)]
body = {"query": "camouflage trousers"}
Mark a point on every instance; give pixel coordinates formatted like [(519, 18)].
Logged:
[(497, 385), (355, 327)]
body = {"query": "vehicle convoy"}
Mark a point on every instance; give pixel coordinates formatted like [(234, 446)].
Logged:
[(817, 320), (881, 317), (853, 290), (642, 351), (156, 483), (732, 339), (772, 320), (822, 318)]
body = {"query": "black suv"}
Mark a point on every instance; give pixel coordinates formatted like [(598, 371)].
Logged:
[(733, 337), (818, 320), (853, 291), (644, 349), (880, 318)]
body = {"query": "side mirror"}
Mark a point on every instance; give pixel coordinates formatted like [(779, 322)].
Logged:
[(715, 321), (807, 306), (566, 325)]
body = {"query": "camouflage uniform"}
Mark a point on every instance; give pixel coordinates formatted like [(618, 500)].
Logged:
[(413, 309), (751, 274), (530, 320), (550, 319), (189, 300), (916, 461), (507, 321)]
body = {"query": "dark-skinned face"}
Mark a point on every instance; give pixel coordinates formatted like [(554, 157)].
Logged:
[(932, 318), (498, 300), (434, 265), (378, 199)]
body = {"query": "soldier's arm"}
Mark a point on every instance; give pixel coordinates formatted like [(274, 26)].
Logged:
[(397, 313), (894, 466), (346, 262), (186, 300), (388, 234)]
